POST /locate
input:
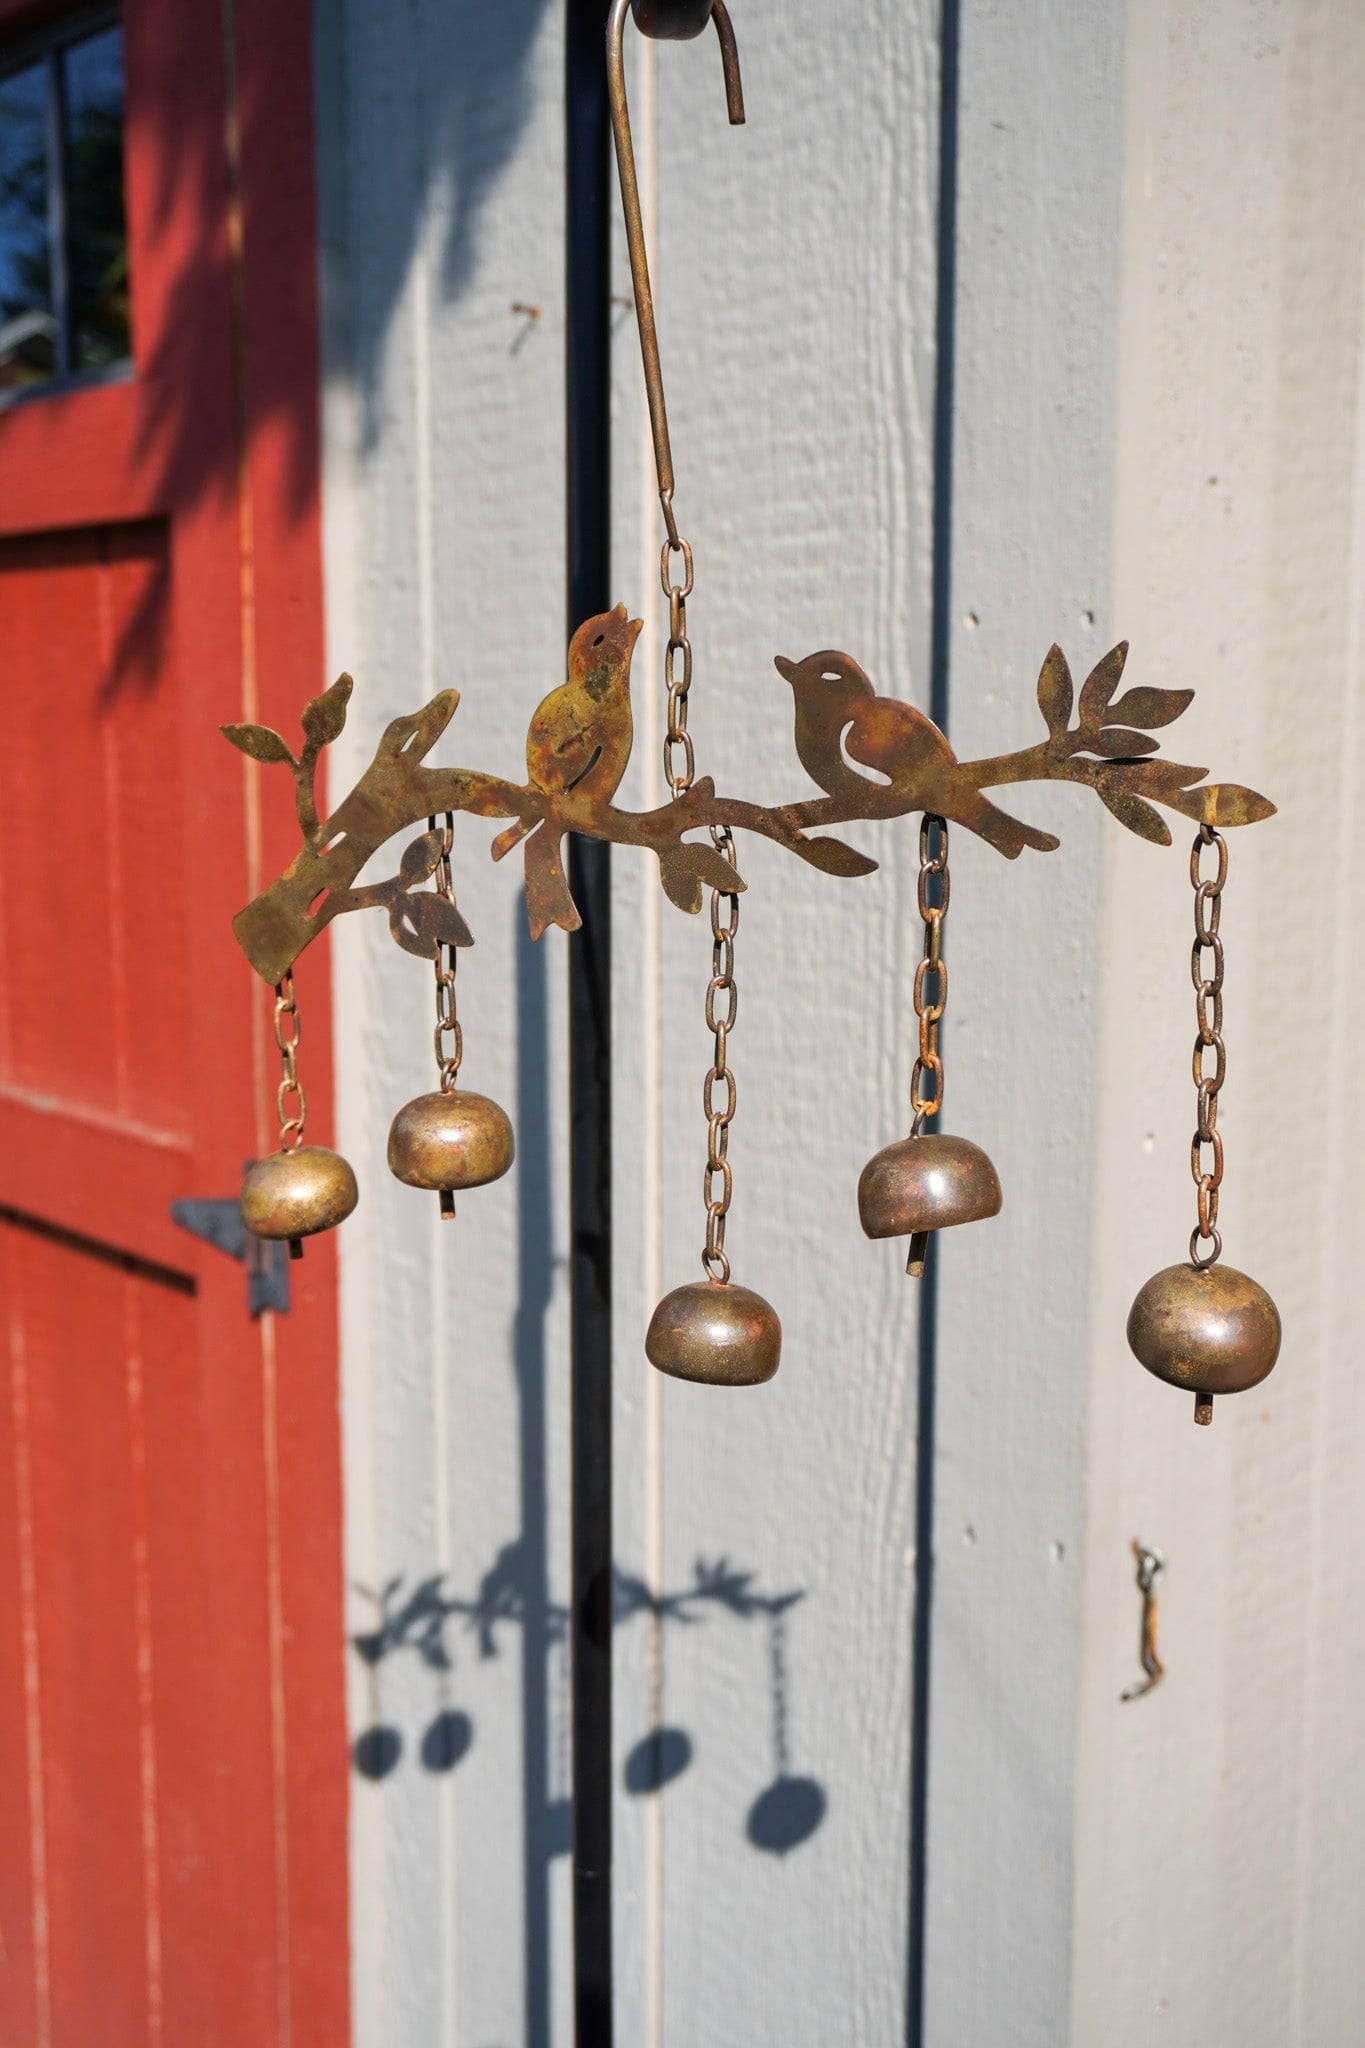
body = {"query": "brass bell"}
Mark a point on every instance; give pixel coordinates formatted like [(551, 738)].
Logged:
[(1209, 1329), (924, 1184), (296, 1194), (715, 1333), (448, 1140)]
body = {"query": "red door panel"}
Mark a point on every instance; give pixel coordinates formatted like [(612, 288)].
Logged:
[(173, 1827)]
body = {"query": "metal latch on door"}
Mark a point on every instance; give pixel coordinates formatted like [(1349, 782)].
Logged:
[(217, 1219)]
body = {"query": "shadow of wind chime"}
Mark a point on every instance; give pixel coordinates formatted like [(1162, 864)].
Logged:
[(1198, 1324)]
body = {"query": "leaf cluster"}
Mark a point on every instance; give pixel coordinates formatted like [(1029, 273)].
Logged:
[(1110, 743)]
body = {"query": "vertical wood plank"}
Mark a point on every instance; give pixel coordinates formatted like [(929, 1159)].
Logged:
[(1035, 327), (794, 280), (443, 485), (1219, 1822)]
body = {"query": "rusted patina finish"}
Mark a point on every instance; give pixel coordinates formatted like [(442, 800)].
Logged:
[(446, 1141), (841, 727), (716, 1333), (1210, 1329), (926, 1183), (295, 1194)]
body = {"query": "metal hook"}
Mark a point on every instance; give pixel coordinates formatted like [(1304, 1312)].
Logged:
[(1150, 1566), (635, 230)]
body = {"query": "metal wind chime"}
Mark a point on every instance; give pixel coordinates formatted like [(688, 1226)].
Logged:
[(1199, 1324)]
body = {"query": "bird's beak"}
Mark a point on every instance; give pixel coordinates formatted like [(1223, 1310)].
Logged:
[(786, 669)]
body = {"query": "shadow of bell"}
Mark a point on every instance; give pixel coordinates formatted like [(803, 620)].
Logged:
[(376, 1751), (786, 1815), (446, 1740), (657, 1759)]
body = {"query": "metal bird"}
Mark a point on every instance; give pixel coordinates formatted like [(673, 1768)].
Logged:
[(579, 737), (840, 720)]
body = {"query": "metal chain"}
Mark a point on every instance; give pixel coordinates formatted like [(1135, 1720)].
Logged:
[(677, 669), (932, 863), (288, 1032), (722, 994), (1208, 1005), (719, 1116), (447, 1023)]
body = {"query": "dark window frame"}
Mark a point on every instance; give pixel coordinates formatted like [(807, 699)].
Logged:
[(46, 43)]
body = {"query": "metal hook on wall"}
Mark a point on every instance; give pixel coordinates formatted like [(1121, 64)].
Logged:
[(1150, 1566), (671, 21)]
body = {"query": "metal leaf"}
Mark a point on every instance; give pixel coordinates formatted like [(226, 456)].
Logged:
[(1120, 743), (259, 741), (1134, 812), (1150, 708), (420, 859), (833, 857), (710, 866), (443, 920), (681, 883), (325, 716), (421, 924), (1100, 685), (1224, 803), (1055, 691)]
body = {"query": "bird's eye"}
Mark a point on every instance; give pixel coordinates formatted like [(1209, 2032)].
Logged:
[(598, 641)]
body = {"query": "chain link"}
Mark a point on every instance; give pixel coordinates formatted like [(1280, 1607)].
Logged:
[(933, 908), (288, 1032), (678, 773), (447, 1023), (1208, 1006), (722, 1009)]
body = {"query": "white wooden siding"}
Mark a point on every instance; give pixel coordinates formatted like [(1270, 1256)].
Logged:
[(1157, 284)]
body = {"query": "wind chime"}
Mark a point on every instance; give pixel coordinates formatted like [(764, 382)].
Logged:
[(1198, 1324)]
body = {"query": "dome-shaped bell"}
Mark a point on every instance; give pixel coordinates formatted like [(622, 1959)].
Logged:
[(924, 1184), (296, 1194), (1209, 1329), (450, 1140), (716, 1333)]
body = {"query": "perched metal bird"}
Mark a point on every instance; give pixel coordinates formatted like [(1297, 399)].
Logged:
[(840, 720), (579, 737)]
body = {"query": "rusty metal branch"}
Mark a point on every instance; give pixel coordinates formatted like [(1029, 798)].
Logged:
[(578, 746)]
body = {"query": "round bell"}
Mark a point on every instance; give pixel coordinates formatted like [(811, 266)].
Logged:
[(1209, 1329), (924, 1184), (296, 1194), (715, 1333), (450, 1140)]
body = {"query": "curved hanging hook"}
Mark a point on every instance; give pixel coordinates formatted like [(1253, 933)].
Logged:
[(635, 230)]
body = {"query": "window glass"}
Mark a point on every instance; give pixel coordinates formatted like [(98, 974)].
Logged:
[(29, 330), (96, 234)]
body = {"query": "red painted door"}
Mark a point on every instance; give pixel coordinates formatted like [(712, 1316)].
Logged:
[(172, 1745)]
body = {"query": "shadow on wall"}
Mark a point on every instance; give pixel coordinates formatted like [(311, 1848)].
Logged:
[(429, 1619), (420, 1618), (430, 104)]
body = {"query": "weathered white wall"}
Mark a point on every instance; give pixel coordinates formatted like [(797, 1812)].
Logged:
[(1156, 283), (1221, 1822)]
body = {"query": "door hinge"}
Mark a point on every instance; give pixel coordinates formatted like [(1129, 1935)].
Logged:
[(217, 1220)]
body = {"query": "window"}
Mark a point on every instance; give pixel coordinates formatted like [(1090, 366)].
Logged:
[(63, 237)]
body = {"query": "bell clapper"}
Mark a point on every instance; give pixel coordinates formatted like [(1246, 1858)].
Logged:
[(919, 1246)]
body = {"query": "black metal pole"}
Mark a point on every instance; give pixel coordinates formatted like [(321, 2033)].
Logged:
[(588, 507)]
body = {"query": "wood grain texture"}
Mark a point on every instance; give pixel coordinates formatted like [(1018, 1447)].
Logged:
[(1155, 434), (1038, 182), (795, 286), (443, 437), (1219, 1824)]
